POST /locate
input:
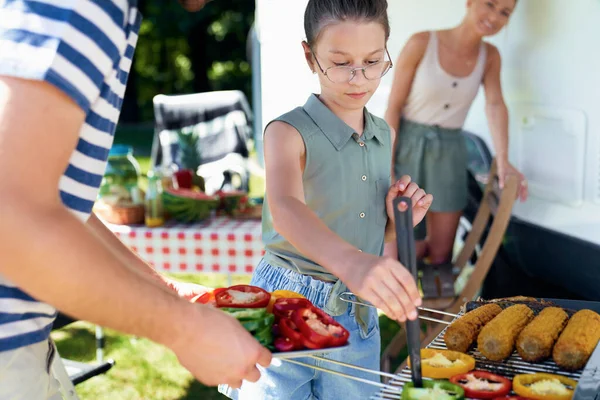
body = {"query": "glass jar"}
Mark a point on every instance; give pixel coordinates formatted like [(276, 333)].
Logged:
[(121, 175)]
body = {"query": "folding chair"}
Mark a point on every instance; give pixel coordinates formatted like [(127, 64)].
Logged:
[(438, 282), (70, 373), (208, 132)]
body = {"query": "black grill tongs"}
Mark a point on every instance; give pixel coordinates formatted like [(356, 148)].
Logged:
[(408, 257)]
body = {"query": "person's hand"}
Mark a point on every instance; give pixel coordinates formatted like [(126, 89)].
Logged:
[(383, 282), (421, 201), (506, 169), (216, 349), (186, 290)]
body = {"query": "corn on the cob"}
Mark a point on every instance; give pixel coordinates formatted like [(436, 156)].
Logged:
[(578, 340), (535, 342), (462, 333), (496, 341)]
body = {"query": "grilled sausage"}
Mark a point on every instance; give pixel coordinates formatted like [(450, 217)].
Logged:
[(537, 339), (462, 333), (496, 341), (578, 340)]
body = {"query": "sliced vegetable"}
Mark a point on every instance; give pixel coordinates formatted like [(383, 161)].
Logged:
[(208, 297), (284, 344), (264, 336), (289, 330), (282, 294), (283, 307), (243, 296), (482, 384), (433, 390), (444, 364), (319, 328), (511, 398), (543, 386), (246, 314), (258, 324)]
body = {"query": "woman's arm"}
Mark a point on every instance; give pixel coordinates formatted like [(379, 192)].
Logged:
[(497, 115), (405, 68)]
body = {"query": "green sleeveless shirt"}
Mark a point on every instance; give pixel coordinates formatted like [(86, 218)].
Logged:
[(345, 180)]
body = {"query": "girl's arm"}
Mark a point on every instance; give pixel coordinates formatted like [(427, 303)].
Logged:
[(381, 280), (497, 115)]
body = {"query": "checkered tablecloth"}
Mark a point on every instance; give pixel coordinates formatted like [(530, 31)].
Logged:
[(219, 245)]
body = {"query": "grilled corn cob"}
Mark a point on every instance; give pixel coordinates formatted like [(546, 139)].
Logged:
[(537, 339), (496, 341), (578, 340), (462, 333), (535, 305)]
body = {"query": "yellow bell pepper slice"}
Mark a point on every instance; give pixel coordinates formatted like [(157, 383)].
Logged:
[(542, 386), (444, 364), (282, 294)]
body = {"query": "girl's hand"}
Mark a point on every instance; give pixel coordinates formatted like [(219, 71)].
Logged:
[(383, 282), (421, 201)]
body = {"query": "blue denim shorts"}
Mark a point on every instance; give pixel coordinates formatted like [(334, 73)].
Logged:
[(285, 381)]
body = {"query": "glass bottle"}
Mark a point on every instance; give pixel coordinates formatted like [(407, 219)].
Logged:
[(154, 204)]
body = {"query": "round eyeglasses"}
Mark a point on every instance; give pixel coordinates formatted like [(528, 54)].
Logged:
[(344, 74)]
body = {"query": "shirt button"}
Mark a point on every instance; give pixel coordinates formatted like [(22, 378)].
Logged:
[(360, 250), (361, 144), (364, 177), (362, 214), (447, 106)]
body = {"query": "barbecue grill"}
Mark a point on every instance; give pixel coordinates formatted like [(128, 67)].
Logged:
[(588, 387), (588, 379)]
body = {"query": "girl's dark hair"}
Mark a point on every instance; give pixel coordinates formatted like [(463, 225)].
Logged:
[(320, 13)]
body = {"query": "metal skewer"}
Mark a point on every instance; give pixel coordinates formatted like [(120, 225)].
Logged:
[(348, 297), (395, 389)]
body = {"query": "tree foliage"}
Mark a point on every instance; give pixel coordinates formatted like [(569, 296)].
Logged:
[(180, 52)]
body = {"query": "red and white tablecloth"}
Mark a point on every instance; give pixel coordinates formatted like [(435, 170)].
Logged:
[(219, 245)]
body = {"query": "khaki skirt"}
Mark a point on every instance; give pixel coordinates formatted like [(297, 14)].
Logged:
[(436, 159)]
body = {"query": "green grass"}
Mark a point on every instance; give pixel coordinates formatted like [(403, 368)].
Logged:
[(145, 370)]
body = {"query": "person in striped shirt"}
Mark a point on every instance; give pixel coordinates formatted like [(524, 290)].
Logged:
[(63, 71)]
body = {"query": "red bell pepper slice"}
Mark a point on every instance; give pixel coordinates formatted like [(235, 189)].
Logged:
[(482, 384), (283, 307), (289, 330), (284, 344), (208, 297), (243, 296), (320, 328)]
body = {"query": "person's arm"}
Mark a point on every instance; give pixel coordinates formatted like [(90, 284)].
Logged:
[(53, 256), (497, 116), (404, 73), (421, 204), (185, 290), (381, 280)]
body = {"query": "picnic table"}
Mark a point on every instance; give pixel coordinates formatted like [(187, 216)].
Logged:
[(220, 244)]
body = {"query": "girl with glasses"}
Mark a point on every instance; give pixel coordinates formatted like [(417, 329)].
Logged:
[(328, 213), (438, 75)]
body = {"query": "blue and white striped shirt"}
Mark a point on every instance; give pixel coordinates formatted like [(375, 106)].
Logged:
[(84, 48)]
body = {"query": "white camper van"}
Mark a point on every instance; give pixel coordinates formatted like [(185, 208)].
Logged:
[(551, 82)]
